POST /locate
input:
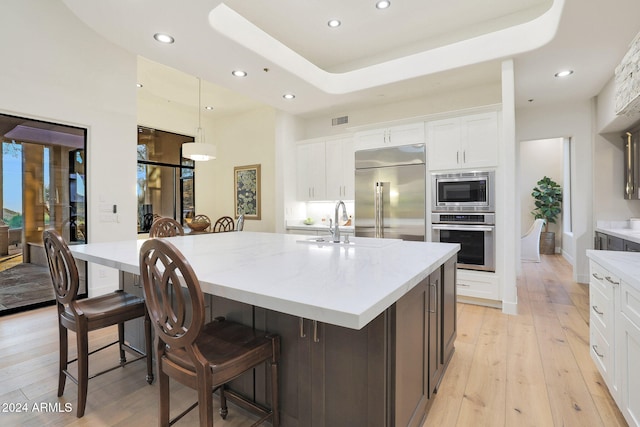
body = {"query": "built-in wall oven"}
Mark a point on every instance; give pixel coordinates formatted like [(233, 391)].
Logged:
[(474, 231), (463, 211)]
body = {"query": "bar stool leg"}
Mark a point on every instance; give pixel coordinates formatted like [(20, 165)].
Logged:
[(64, 357), (149, 347), (83, 369)]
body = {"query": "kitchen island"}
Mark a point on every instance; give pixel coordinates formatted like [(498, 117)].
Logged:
[(366, 328)]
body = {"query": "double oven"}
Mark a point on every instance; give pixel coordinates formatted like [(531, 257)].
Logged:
[(463, 211)]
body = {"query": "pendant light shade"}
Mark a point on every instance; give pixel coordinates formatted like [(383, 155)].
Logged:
[(199, 150)]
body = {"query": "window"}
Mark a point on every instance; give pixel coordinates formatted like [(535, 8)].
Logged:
[(165, 180)]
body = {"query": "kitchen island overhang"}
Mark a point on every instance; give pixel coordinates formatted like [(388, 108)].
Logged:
[(339, 284)]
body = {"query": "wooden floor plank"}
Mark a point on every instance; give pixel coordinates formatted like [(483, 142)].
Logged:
[(484, 396)]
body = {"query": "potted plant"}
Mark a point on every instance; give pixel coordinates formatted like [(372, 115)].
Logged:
[(548, 200)]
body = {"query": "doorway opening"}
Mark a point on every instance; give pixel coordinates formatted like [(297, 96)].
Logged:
[(43, 185), (551, 158)]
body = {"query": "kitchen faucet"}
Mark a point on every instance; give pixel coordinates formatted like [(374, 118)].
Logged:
[(335, 231)]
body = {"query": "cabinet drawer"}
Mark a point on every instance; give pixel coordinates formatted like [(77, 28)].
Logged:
[(603, 280), (600, 352), (476, 288), (630, 302), (601, 309)]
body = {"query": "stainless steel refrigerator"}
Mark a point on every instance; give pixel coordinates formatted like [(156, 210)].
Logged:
[(390, 192)]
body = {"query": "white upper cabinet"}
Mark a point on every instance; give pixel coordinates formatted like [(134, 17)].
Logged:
[(465, 142), (412, 133), (311, 171), (325, 170), (340, 169)]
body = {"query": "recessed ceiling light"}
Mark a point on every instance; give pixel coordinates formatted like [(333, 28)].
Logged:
[(239, 73), (208, 107), (288, 96), (138, 85), (564, 73), (383, 4), (163, 38), (333, 23)]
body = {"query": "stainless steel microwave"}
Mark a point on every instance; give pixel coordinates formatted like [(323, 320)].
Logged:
[(463, 192)]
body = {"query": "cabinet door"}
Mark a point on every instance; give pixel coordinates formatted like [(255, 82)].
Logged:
[(630, 354), (615, 243), (435, 328), (311, 171), (294, 369), (412, 133), (449, 310), (341, 357), (412, 356), (479, 143), (443, 142), (374, 138), (340, 169)]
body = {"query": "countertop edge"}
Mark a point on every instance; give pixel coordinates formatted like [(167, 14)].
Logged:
[(625, 265), (623, 233)]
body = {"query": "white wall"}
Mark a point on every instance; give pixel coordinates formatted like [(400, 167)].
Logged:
[(242, 139), (575, 121), (56, 69)]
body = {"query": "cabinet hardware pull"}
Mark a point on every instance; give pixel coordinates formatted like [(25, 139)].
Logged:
[(457, 157), (432, 301), (464, 156), (610, 280), (315, 331), (595, 350), (596, 276), (463, 284), (595, 308), (301, 323)]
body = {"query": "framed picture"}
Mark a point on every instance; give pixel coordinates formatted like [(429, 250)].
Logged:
[(246, 183)]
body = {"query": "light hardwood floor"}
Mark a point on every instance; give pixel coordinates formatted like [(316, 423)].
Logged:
[(532, 369)]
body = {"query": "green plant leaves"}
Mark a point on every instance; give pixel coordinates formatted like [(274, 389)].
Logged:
[(548, 200)]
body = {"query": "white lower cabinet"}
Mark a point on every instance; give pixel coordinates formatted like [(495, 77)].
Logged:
[(614, 338), (629, 354)]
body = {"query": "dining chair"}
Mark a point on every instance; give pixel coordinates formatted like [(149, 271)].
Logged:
[(201, 356), (240, 223), (222, 224), (166, 227), (84, 315)]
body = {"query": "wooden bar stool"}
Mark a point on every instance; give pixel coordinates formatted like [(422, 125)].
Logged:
[(84, 315), (203, 357)]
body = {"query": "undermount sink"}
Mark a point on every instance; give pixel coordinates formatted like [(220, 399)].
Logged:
[(359, 241)]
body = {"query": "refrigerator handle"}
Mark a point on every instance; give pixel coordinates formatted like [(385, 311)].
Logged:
[(378, 207)]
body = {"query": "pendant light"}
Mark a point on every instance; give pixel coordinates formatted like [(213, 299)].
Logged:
[(199, 150)]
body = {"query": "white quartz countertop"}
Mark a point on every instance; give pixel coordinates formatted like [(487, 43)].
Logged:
[(623, 233), (344, 285), (625, 265)]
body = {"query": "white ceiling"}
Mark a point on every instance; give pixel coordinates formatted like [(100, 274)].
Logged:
[(286, 46)]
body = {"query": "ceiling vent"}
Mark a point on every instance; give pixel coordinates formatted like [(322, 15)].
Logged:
[(340, 121)]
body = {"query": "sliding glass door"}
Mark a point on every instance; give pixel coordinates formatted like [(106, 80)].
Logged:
[(43, 186)]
